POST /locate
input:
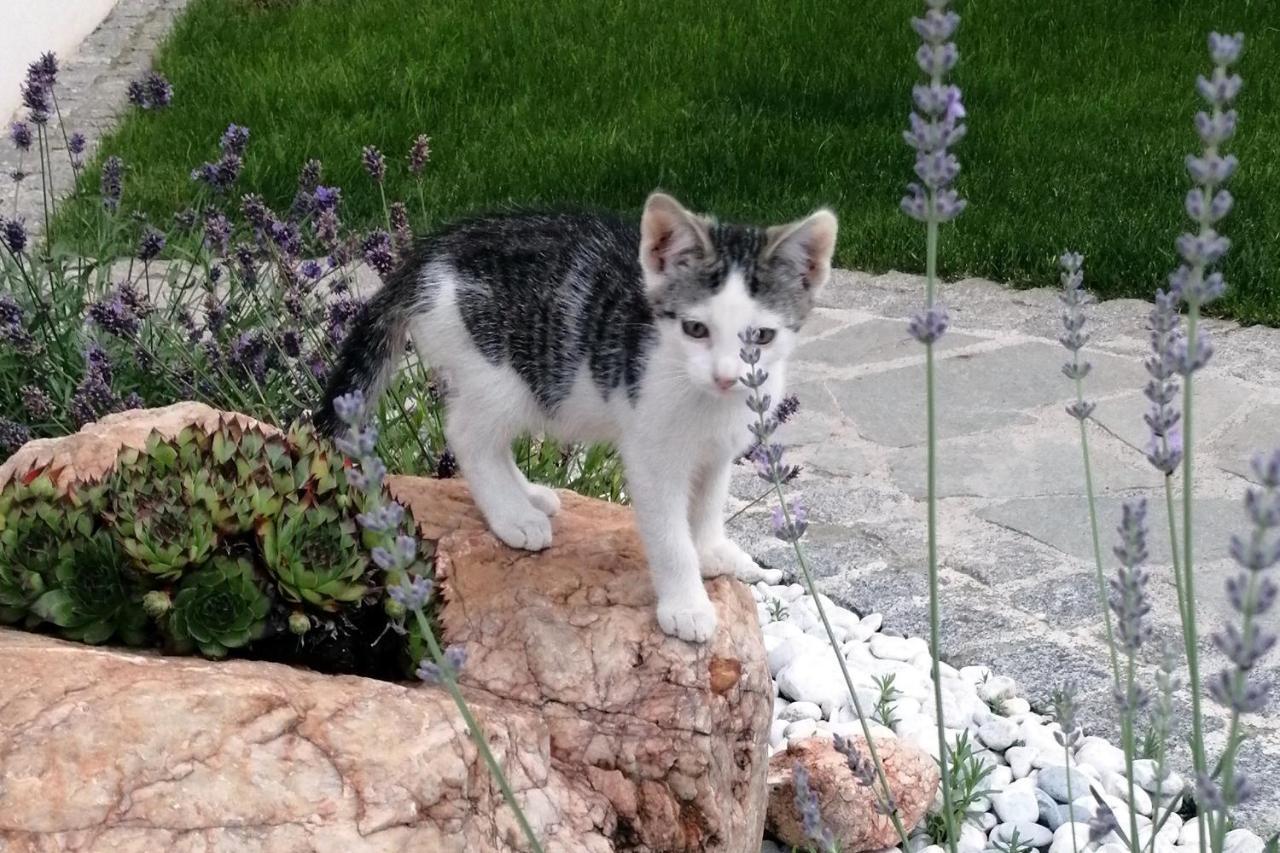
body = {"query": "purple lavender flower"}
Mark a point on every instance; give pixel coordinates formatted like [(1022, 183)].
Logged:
[(1207, 203), (159, 91), (929, 325), (36, 402), (215, 314), (446, 465), (379, 252), (76, 144), (11, 313), (217, 233), (806, 800), (234, 141), (93, 396), (412, 594), (133, 400), (455, 657), (219, 176), (136, 93), (936, 123), (12, 330), (20, 134), (309, 175), (112, 183), (1129, 599), (151, 244), (1075, 299), (790, 526), (400, 226), (291, 342), (1252, 594), (1164, 450), (13, 233), (419, 154), (374, 163), (114, 317), (249, 352), (327, 198), (44, 69), (36, 98), (12, 435), (311, 269), (255, 210), (246, 264)]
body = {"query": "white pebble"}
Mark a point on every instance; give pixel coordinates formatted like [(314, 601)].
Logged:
[(1020, 760), (1016, 804), (1062, 838), (801, 711), (1028, 834), (998, 733)]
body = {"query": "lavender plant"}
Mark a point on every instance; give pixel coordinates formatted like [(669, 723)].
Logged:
[(790, 520), (396, 553), (1195, 285), (935, 126), (1252, 593), (1075, 299)]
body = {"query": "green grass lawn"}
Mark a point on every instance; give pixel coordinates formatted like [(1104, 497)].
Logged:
[(1080, 116)]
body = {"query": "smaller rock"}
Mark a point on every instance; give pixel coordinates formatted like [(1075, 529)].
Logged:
[(986, 821), (1016, 705), (777, 732), (1146, 776), (998, 733), (1020, 760), (1070, 838), (873, 622), (1031, 834), (1189, 835), (1243, 841), (971, 840), (897, 648), (999, 778), (1100, 755), (996, 688), (919, 842), (1016, 804), (1118, 786), (800, 729), (1054, 781), (784, 629), (801, 711), (975, 674), (1050, 812)]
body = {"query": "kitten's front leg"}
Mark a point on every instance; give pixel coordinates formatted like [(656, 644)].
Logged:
[(660, 493), (717, 554)]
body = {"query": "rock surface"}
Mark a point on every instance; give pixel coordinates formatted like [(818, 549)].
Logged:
[(849, 808), (613, 735)]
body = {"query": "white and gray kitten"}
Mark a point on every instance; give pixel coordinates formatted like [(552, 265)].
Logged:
[(586, 328)]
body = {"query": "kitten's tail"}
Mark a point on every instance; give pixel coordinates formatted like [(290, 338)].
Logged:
[(370, 355)]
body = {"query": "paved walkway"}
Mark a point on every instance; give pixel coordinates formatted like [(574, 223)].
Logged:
[(91, 94), (1017, 568)]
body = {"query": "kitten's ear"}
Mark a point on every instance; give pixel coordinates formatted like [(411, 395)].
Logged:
[(670, 238), (807, 245)]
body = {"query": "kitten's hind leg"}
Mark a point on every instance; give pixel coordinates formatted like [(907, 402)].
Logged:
[(483, 448)]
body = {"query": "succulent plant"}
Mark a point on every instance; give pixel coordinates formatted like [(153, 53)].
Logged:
[(256, 474), (319, 469), (160, 517), (315, 556), (37, 523), (217, 608), (93, 596)]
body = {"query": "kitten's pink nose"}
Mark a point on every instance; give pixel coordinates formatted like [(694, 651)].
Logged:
[(725, 384)]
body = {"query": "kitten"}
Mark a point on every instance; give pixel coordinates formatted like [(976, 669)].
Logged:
[(590, 329)]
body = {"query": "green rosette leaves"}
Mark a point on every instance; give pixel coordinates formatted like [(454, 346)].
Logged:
[(218, 608), (94, 596), (315, 556)]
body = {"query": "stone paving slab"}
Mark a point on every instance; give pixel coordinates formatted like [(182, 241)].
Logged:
[(1017, 577)]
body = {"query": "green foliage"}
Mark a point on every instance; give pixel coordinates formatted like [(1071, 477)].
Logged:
[(205, 543), (968, 784), (886, 702), (315, 555), (218, 607), (94, 597)]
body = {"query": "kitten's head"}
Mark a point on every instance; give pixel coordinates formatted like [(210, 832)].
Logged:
[(709, 282)]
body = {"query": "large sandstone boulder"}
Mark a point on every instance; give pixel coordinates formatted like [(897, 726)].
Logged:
[(614, 736)]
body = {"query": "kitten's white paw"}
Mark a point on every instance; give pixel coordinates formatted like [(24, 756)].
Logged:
[(543, 498), (726, 558), (527, 528), (691, 620)]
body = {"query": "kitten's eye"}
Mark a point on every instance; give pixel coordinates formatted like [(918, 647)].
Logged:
[(694, 329), (765, 336)]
